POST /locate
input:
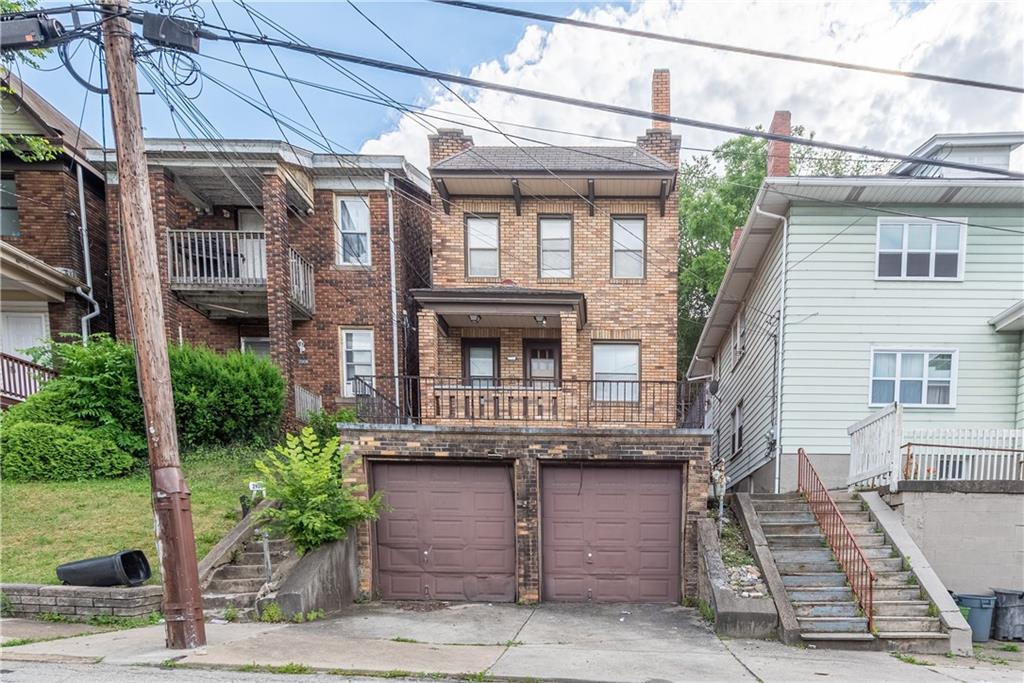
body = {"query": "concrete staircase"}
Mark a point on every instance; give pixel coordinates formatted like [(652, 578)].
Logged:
[(826, 608), (237, 583)]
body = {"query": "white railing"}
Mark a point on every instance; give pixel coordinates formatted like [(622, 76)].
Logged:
[(306, 403), (224, 258), (302, 280), (875, 448), (963, 455)]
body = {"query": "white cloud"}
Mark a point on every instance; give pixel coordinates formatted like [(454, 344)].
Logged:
[(979, 40)]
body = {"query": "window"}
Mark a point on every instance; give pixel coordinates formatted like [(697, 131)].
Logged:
[(259, 346), (913, 378), (543, 362), (616, 372), (9, 224), (357, 359), (482, 246), (250, 220), (739, 335), (555, 247), (21, 330), (737, 428), (916, 249), (353, 237), (627, 247), (480, 362)]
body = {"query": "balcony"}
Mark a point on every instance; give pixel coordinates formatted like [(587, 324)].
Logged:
[(534, 403), (223, 273)]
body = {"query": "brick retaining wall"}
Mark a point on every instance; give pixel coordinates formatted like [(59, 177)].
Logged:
[(27, 600)]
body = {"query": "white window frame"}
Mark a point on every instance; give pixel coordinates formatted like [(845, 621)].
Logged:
[(621, 390), (346, 382), (899, 351), (617, 247), (247, 340), (933, 222), (496, 248), (736, 433), (339, 241), (540, 248), (738, 335), (27, 309)]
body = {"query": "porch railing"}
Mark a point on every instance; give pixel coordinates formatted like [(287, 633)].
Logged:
[(20, 378), (553, 402), (883, 452), (302, 280), (841, 540), (217, 258)]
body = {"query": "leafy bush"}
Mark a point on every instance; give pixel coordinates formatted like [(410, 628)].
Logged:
[(325, 423), (44, 451), (317, 504), (218, 398)]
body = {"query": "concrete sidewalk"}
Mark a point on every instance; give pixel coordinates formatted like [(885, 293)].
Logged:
[(614, 643)]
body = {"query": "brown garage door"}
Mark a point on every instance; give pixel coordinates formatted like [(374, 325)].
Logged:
[(610, 534), (449, 534)]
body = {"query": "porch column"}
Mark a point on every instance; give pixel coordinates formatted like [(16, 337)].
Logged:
[(570, 345), (279, 314), (428, 358)]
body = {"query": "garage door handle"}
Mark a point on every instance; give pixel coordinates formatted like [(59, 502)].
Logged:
[(590, 557)]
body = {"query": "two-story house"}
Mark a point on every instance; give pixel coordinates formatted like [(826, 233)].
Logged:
[(545, 457), (854, 304), (306, 258), (54, 277)]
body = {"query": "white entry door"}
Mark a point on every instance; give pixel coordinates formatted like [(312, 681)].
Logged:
[(20, 331), (252, 251)]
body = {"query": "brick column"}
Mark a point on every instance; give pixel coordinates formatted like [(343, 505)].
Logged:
[(527, 530), (279, 314), (570, 345), (426, 325), (698, 474)]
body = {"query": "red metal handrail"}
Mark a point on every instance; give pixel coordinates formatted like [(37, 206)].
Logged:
[(844, 545), (20, 378)]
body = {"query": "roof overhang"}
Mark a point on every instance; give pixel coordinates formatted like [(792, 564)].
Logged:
[(501, 183), (871, 193), (1010, 320), (933, 145), (20, 271), (502, 306)]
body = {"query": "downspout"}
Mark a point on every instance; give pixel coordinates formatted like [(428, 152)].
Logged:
[(394, 287), (84, 228), (779, 344)]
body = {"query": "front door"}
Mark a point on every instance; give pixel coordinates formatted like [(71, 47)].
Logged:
[(252, 251), (543, 363)]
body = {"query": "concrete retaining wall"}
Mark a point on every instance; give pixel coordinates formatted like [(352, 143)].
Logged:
[(323, 579), (27, 600)]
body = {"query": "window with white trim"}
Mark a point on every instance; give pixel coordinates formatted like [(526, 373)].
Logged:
[(482, 243), (736, 441), (616, 371), (10, 226), (353, 231), (356, 358), (738, 336), (920, 249), (555, 247), (913, 378), (259, 346), (628, 247)]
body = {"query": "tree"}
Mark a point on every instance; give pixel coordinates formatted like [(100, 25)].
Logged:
[(716, 192)]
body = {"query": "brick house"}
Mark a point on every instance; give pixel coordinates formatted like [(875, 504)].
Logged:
[(546, 456), (53, 255), (269, 248)]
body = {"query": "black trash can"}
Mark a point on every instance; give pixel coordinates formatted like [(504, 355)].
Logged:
[(126, 568), (1009, 617)]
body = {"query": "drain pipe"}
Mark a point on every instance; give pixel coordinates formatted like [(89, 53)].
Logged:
[(83, 227), (779, 352), (394, 286)]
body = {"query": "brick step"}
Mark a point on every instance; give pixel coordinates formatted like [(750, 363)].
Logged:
[(901, 608), (907, 624), (235, 585), (240, 571), (214, 600), (827, 609), (833, 624)]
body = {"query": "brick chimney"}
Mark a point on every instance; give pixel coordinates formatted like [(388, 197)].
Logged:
[(446, 142), (778, 152), (736, 232), (659, 140)]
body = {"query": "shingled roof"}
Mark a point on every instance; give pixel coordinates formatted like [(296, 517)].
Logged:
[(632, 160)]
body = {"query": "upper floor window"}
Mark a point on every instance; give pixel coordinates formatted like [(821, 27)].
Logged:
[(739, 335), (628, 247), (914, 378), (555, 247), (9, 224), (482, 243), (353, 237), (920, 249), (737, 428), (356, 360), (616, 371)]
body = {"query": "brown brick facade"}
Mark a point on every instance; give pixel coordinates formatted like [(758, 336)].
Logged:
[(527, 452)]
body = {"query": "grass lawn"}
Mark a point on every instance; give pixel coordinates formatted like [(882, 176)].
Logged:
[(49, 523)]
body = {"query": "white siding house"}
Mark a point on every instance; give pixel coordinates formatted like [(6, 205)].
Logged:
[(900, 288)]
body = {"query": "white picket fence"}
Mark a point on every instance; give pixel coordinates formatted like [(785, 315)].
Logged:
[(883, 452)]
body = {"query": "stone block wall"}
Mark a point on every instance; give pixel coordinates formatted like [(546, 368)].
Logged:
[(28, 600)]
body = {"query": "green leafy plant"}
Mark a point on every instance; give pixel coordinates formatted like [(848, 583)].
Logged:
[(6, 608), (325, 423), (706, 612), (909, 659), (231, 614), (1009, 647), (318, 504), (39, 451), (271, 613)]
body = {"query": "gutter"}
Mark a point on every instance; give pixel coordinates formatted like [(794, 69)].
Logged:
[(84, 228), (779, 342), (394, 286)]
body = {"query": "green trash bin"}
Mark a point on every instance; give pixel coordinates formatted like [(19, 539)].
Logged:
[(979, 614)]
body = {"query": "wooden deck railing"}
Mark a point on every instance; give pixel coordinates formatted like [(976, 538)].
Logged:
[(841, 540), (20, 378), (217, 258), (302, 280)]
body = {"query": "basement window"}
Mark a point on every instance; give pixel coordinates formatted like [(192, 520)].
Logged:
[(916, 249)]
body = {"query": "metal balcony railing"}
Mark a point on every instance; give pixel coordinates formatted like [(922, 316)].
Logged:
[(217, 258)]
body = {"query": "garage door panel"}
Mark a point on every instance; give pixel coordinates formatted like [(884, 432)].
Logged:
[(611, 502), (610, 532), (450, 533), (654, 561)]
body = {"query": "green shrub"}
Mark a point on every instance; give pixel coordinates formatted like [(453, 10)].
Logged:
[(44, 451), (325, 423), (317, 505)]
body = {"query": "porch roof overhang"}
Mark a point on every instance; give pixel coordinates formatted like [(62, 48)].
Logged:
[(20, 271), (516, 307), (1010, 320)]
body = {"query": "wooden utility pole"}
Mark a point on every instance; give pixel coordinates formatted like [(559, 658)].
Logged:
[(172, 510)]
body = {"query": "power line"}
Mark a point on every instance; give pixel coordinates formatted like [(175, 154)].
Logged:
[(692, 42)]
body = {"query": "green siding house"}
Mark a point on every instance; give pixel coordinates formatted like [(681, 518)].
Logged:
[(848, 297)]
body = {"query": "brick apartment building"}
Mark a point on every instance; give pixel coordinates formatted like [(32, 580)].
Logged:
[(269, 248), (54, 275), (546, 456)]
